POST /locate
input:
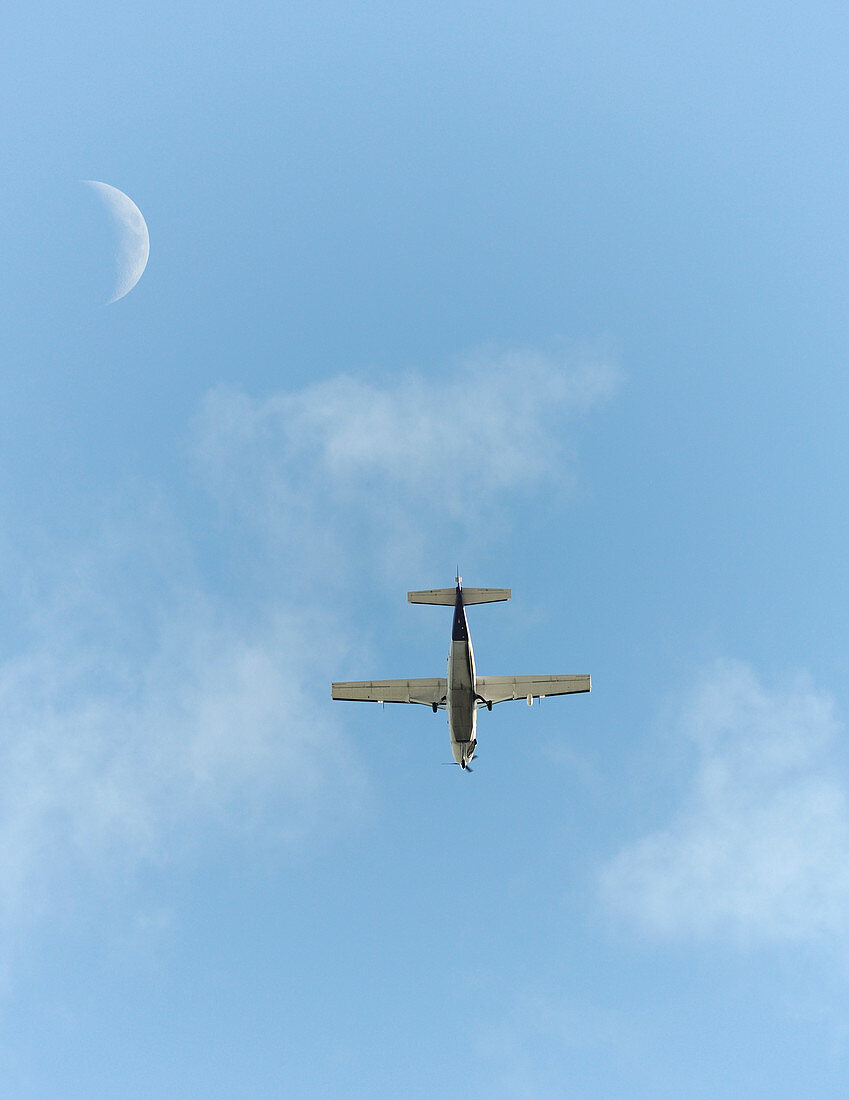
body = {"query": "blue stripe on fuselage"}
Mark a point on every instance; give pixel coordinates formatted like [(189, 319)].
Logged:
[(460, 629)]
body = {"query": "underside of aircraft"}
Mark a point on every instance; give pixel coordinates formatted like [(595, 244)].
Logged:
[(461, 692)]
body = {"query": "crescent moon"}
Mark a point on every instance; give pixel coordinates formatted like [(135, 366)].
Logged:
[(133, 240)]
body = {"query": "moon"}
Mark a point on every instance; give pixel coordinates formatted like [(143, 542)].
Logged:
[(132, 244)]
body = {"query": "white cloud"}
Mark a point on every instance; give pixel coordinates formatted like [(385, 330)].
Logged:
[(400, 458), (758, 850), (125, 742)]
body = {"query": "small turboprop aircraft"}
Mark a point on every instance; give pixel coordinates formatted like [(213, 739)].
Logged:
[(463, 692)]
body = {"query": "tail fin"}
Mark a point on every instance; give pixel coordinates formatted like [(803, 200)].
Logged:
[(449, 595)]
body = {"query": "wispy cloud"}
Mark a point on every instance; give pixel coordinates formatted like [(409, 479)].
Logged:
[(170, 685), (151, 713), (758, 850), (114, 756), (403, 456), (533, 1041)]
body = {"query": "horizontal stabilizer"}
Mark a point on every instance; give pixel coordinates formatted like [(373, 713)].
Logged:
[(434, 595), (485, 595), (470, 595)]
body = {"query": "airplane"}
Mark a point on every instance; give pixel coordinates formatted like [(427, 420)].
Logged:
[(462, 693)]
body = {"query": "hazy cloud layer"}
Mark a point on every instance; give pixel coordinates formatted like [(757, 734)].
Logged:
[(758, 849)]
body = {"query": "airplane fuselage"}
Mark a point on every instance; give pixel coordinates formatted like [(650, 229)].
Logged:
[(461, 700)]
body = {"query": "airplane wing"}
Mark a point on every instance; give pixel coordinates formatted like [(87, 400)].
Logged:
[(429, 692), (499, 689)]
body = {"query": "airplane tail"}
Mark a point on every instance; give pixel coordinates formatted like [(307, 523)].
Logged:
[(470, 595)]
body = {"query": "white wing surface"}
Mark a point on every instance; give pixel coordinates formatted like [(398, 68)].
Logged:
[(429, 692), (499, 689)]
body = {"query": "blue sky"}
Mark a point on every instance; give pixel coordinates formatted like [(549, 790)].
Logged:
[(553, 292)]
